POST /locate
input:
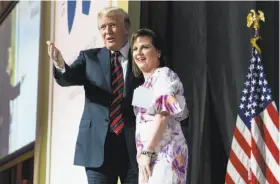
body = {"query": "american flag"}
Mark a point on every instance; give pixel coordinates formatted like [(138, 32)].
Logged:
[(254, 155)]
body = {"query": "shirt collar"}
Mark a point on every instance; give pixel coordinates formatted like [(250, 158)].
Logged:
[(124, 51)]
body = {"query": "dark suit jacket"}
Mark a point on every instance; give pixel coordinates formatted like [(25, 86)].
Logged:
[(92, 70)]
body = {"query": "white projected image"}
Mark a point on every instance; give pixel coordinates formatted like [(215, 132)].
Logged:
[(19, 76)]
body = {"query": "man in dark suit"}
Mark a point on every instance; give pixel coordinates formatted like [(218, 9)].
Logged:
[(106, 140)]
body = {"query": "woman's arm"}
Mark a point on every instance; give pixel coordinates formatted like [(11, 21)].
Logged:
[(144, 158), (160, 123)]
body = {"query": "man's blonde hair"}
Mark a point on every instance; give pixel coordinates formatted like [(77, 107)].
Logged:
[(110, 11)]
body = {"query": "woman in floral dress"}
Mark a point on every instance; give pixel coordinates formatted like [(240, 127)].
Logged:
[(162, 152)]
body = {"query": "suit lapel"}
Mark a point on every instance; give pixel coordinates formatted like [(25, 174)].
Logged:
[(128, 76), (104, 59)]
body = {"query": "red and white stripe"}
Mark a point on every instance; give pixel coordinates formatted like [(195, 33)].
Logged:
[(254, 156)]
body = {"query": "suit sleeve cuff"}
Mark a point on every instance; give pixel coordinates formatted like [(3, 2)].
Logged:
[(61, 69)]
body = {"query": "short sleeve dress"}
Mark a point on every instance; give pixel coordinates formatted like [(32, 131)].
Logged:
[(170, 164)]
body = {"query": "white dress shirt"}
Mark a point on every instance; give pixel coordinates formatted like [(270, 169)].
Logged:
[(123, 60)]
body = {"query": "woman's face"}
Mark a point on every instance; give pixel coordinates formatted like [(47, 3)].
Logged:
[(145, 55)]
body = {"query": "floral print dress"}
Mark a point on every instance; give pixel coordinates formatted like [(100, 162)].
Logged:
[(170, 164)]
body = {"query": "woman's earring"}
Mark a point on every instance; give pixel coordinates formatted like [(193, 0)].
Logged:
[(159, 54)]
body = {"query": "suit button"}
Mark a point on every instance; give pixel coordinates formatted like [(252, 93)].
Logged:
[(106, 120)]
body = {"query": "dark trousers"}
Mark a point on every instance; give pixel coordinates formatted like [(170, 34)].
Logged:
[(116, 163)]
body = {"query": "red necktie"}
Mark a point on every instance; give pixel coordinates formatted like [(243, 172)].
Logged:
[(116, 117)]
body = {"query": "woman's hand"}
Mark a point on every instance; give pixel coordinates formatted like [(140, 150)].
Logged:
[(145, 169)]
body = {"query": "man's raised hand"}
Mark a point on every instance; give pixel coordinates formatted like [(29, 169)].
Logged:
[(55, 55)]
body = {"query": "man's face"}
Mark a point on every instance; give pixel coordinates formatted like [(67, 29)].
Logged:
[(113, 31)]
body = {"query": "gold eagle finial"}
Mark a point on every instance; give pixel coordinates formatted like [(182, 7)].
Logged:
[(254, 18)]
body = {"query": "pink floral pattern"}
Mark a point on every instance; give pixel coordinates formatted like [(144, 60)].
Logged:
[(167, 103), (170, 165)]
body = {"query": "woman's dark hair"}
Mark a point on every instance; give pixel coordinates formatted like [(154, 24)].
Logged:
[(157, 42)]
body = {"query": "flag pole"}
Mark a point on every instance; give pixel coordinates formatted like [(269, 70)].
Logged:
[(253, 19)]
